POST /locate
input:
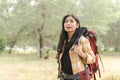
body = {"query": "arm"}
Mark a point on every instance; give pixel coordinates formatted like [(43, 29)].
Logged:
[(90, 58)]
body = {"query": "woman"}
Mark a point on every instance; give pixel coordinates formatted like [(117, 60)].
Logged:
[(74, 49)]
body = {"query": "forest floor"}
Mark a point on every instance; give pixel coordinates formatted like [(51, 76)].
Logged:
[(29, 67)]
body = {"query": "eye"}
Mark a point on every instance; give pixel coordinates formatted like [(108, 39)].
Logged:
[(66, 21), (71, 21)]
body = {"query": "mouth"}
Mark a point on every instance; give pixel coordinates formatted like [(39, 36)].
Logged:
[(68, 27)]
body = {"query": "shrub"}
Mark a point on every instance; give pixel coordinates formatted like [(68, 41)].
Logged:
[(2, 44)]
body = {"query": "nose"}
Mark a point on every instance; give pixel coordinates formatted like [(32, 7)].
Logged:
[(68, 22)]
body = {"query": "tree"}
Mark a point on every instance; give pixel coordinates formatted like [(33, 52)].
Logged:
[(26, 18), (2, 44), (38, 22), (113, 37), (97, 15)]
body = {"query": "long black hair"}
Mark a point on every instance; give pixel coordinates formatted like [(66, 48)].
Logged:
[(64, 36)]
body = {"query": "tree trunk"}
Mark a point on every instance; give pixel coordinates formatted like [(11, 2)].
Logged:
[(40, 42), (105, 48), (10, 50), (116, 48), (11, 46), (39, 29)]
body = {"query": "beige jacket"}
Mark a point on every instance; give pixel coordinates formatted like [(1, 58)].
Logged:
[(76, 62)]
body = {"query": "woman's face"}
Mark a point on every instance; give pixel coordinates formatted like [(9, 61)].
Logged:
[(70, 24)]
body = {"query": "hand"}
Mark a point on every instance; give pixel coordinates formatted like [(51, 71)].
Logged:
[(56, 57), (78, 50)]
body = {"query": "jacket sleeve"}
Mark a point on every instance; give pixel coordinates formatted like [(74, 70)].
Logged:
[(90, 57)]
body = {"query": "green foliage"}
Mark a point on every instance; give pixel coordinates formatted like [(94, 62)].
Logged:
[(2, 44), (96, 14), (27, 15), (114, 41)]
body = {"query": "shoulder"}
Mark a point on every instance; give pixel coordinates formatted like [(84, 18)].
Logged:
[(83, 39)]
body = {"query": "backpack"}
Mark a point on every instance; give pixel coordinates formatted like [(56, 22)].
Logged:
[(91, 36)]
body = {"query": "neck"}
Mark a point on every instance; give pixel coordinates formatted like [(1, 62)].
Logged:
[(70, 34)]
